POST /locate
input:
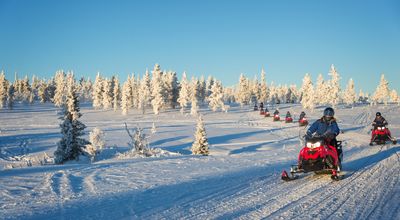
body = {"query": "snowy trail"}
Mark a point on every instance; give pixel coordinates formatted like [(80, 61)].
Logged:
[(241, 181)]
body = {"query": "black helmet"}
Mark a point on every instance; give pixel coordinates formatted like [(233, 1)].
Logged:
[(378, 114), (329, 112)]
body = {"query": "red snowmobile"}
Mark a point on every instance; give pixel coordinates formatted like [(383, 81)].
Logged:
[(288, 120), (303, 122), (381, 134), (317, 156), (276, 117)]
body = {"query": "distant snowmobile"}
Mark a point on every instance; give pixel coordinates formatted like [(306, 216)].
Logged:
[(276, 116), (288, 118), (381, 134), (317, 156), (303, 121)]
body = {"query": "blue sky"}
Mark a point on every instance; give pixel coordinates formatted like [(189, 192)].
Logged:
[(219, 38)]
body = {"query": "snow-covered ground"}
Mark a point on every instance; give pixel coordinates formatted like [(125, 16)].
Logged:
[(239, 180)]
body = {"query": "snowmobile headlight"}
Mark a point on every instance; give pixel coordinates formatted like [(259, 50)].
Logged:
[(309, 145), (382, 128), (318, 144)]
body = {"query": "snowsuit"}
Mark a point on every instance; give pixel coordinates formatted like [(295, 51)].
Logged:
[(261, 105), (288, 115), (327, 128), (302, 115), (276, 112), (380, 122)]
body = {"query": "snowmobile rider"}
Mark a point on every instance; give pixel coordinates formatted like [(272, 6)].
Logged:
[(276, 112), (288, 115), (327, 128), (302, 115), (378, 122), (261, 105)]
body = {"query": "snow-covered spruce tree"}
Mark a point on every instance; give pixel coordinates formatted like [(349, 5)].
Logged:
[(255, 90), (116, 93), (97, 143), (203, 90), (216, 97), (349, 96), (126, 97), (307, 93), (243, 93), (320, 91), (10, 96), (59, 95), (144, 92), (157, 90), (3, 90), (273, 94), (334, 87), (195, 96), (184, 95), (107, 94), (263, 88), (382, 92), (200, 144), (42, 92), (135, 91), (71, 145), (394, 97), (209, 83), (294, 94), (171, 90), (97, 93)]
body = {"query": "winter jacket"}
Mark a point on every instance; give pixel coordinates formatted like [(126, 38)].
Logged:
[(276, 112), (379, 121), (302, 115), (288, 115), (330, 129)]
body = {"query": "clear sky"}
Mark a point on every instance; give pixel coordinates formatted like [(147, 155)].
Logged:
[(222, 38)]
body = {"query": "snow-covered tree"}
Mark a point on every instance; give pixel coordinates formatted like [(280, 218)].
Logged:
[(116, 93), (216, 97), (255, 90), (134, 84), (243, 93), (107, 94), (203, 90), (138, 141), (263, 87), (97, 93), (209, 83), (157, 89), (195, 96), (184, 93), (307, 93), (394, 96), (3, 90), (171, 90), (42, 92), (10, 96), (71, 145), (382, 92), (97, 143), (59, 96), (334, 87), (321, 91), (125, 97), (200, 145), (349, 96), (144, 92)]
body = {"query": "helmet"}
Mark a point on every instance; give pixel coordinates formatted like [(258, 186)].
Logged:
[(378, 114), (329, 112)]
